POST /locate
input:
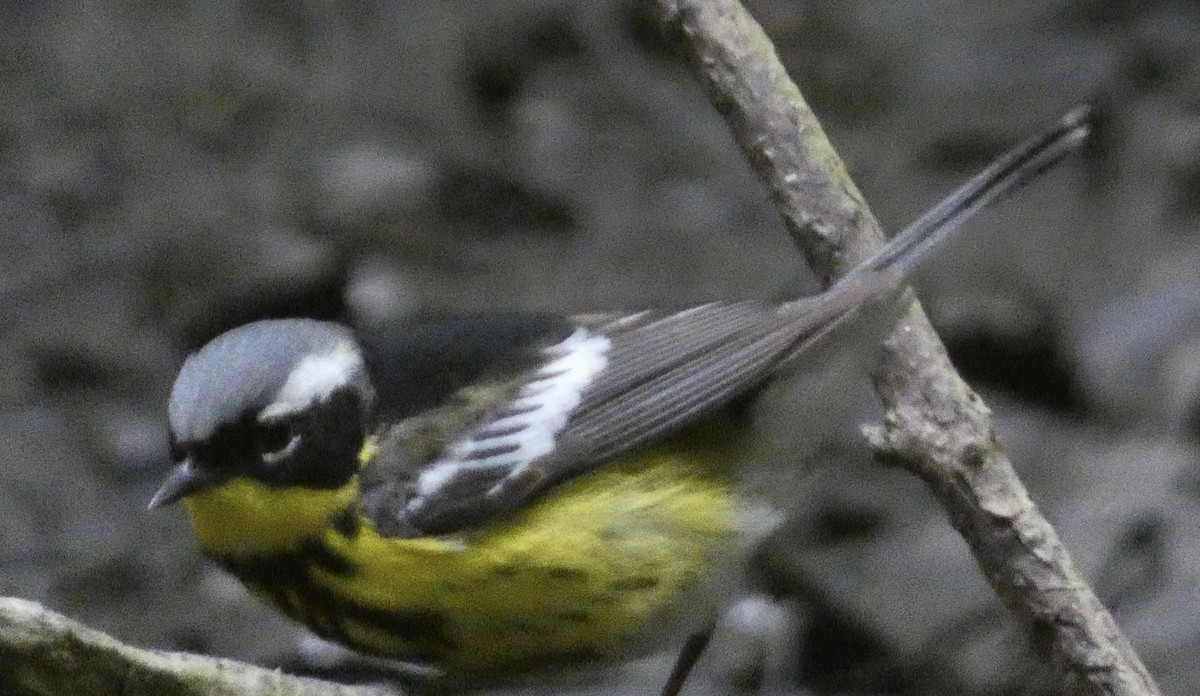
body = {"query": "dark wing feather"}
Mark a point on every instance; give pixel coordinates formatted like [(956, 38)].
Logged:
[(647, 344), (418, 365), (644, 376), (437, 379), (660, 372), (677, 394)]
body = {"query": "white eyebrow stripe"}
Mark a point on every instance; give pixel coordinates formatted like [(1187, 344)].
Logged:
[(314, 378), (544, 407)]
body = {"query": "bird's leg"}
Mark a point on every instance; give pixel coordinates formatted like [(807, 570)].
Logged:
[(692, 649)]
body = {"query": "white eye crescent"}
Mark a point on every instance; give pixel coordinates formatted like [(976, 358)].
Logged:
[(276, 441)]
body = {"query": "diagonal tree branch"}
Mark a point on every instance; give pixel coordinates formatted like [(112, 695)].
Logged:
[(935, 425)]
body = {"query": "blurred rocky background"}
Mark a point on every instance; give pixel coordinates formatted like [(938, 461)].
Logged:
[(169, 170)]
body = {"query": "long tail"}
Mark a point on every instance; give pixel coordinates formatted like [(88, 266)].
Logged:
[(1003, 176), (869, 288)]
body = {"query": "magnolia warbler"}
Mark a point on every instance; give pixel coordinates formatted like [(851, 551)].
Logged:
[(489, 494)]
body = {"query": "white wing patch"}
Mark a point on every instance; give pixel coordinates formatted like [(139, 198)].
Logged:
[(529, 425)]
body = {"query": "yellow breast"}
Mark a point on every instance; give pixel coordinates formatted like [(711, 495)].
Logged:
[(587, 571)]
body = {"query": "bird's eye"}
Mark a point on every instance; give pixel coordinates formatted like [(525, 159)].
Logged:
[(276, 440)]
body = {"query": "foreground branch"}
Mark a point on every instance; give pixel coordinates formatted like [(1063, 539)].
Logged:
[(934, 424), (47, 654)]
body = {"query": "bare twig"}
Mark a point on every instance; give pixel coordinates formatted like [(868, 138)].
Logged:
[(934, 424), (47, 654)]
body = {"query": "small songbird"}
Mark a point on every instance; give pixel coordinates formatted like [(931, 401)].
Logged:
[(487, 495)]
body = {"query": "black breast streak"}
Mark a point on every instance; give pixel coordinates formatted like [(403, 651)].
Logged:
[(505, 570), (347, 523), (315, 553), (574, 616), (288, 580), (566, 573), (634, 583)]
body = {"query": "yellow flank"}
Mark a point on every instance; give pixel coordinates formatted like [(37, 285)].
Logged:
[(590, 571)]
